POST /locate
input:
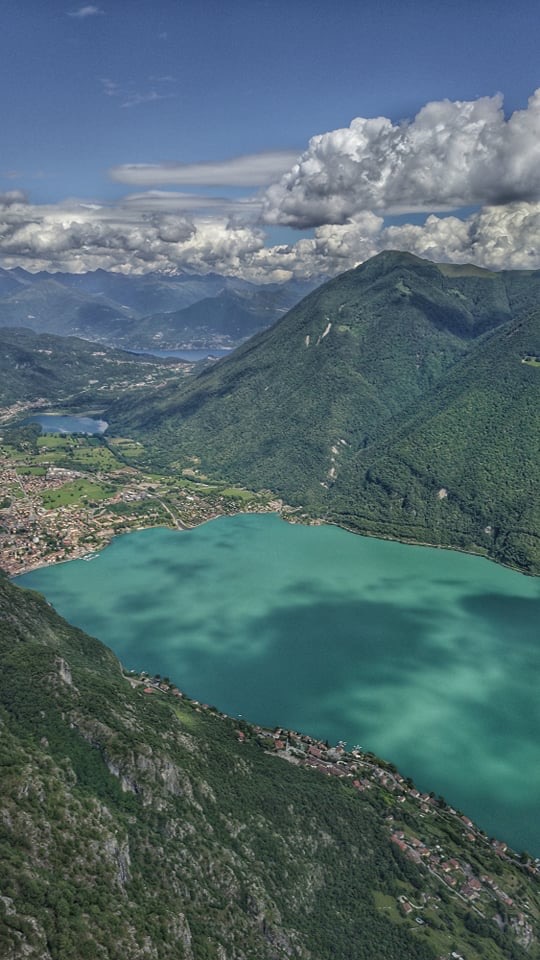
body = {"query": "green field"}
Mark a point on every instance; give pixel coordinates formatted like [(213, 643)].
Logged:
[(29, 471), (236, 493), (77, 491), (87, 453), (126, 447), (53, 441)]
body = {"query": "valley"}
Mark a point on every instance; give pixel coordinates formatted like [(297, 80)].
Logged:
[(44, 370), (399, 400)]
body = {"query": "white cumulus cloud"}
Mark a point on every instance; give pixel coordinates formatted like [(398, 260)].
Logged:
[(451, 155), (149, 233), (501, 237)]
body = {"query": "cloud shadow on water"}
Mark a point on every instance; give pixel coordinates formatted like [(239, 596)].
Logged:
[(449, 690), (376, 672)]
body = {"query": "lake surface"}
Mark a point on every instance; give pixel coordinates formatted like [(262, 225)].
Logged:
[(193, 355), (56, 423), (429, 658)]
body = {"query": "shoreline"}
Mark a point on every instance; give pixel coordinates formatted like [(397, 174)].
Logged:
[(286, 751), (287, 518), (433, 546), (182, 528)]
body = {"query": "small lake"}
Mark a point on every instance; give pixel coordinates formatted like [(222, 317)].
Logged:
[(58, 423), (429, 658)]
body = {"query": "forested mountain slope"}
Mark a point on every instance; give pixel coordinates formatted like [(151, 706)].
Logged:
[(464, 470), (316, 407)]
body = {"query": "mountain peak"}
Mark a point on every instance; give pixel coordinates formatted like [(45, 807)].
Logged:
[(397, 256), (388, 260)]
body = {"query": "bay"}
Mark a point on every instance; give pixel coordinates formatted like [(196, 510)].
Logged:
[(429, 658)]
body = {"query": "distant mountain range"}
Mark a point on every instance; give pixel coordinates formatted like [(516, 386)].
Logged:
[(144, 312), (399, 399)]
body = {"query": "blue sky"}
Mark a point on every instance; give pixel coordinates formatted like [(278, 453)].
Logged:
[(129, 106)]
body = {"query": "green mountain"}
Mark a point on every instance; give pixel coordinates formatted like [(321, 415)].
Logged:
[(62, 370), (136, 823), (393, 399)]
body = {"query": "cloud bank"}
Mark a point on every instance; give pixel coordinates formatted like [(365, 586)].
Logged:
[(133, 237), (450, 155), (146, 234), (495, 237)]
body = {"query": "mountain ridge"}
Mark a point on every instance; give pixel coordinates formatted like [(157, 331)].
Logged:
[(299, 407)]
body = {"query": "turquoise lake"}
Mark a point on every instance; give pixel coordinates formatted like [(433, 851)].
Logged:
[(429, 658)]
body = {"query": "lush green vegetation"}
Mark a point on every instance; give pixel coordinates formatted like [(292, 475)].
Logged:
[(137, 825), (393, 400), (65, 370), (401, 400), (77, 491), (86, 453)]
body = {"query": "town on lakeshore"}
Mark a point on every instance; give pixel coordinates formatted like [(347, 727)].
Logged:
[(436, 851), (65, 496)]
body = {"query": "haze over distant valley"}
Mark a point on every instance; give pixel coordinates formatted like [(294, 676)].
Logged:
[(151, 313)]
